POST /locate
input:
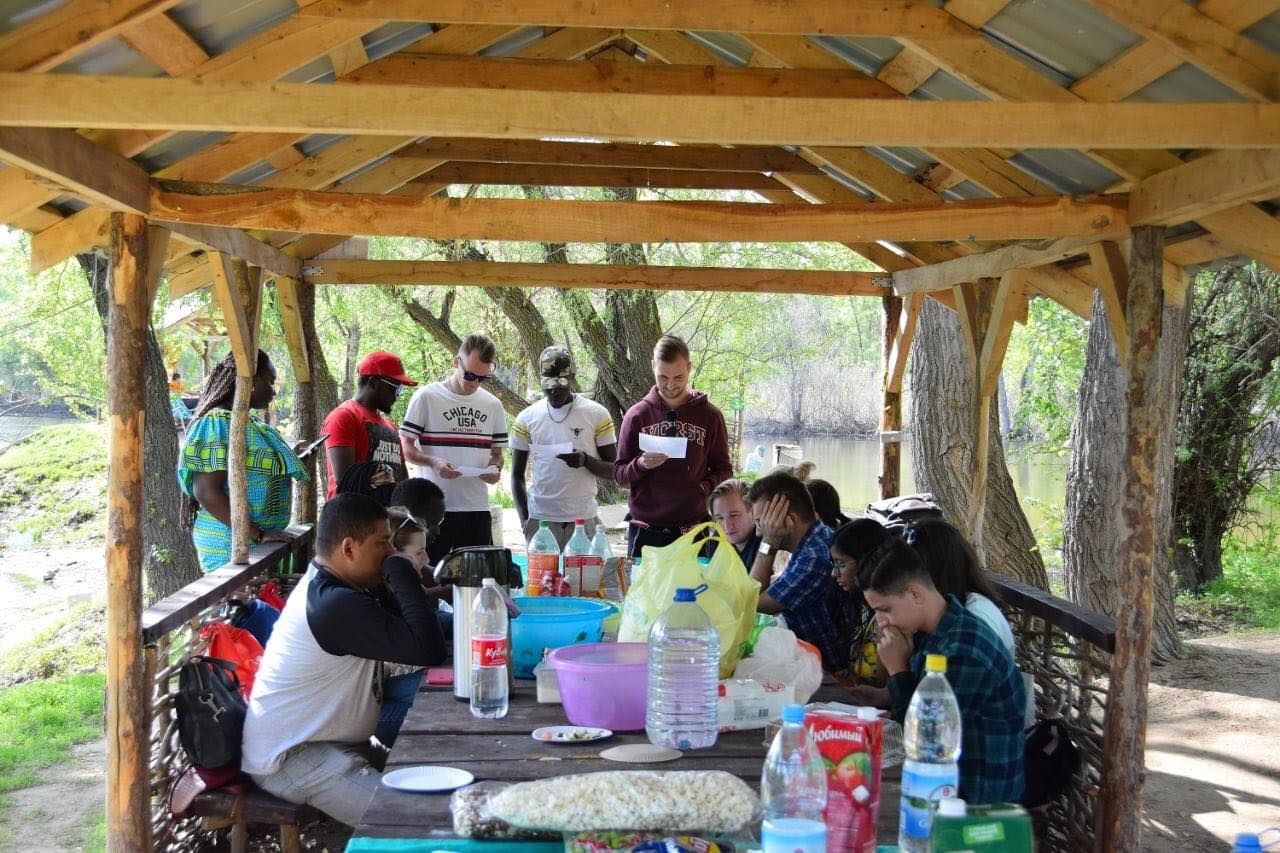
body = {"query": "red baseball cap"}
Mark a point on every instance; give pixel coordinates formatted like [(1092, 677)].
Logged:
[(384, 364)]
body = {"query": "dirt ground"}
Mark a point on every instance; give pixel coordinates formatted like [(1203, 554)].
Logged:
[(1213, 738)]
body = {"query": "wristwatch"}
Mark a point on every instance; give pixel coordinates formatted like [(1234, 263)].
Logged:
[(764, 548)]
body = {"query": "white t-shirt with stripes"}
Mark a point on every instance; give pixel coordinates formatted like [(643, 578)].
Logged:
[(459, 428), (556, 491)]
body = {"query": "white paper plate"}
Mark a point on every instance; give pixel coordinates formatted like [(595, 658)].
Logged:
[(569, 734), (427, 778)]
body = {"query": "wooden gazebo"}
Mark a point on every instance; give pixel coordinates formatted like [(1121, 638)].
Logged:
[(979, 152)]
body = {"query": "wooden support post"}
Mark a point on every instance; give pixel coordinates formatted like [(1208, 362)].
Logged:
[(239, 294), (975, 304), (1126, 727), (891, 412), (1112, 276), (293, 319), (128, 729), (895, 370)]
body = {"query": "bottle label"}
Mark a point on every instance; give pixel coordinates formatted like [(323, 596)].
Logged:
[(540, 565), (488, 651), (583, 572), (923, 785)]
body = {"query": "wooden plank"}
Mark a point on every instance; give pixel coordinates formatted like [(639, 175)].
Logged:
[(127, 696), (902, 343), (975, 13), (64, 100), (631, 77), (1139, 66), (907, 71), (1237, 15), (1096, 628), (167, 44), (82, 231), (157, 248), (238, 244), (1119, 823), (989, 170), (568, 43), (994, 263), (707, 157), (1230, 58), (594, 176), (228, 156), (20, 193), (602, 276), (235, 298), (1247, 229), (623, 222), (461, 39), (991, 70), (1063, 288), (1006, 305), (342, 158), (291, 323), (793, 52), (874, 174), (48, 40), (74, 162), (1206, 185), (890, 475), (890, 18), (1112, 275), (346, 58)]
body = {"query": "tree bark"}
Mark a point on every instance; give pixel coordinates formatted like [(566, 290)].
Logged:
[(352, 335), (323, 394), (943, 406), (169, 558)]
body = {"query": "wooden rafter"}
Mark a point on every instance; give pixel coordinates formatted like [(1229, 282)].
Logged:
[(1010, 300), (631, 222), (47, 41), (75, 163), (594, 176), (63, 100), (1212, 183), (1111, 272), (605, 276), (995, 263)]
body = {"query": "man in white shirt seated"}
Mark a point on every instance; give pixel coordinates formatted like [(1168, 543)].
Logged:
[(316, 696)]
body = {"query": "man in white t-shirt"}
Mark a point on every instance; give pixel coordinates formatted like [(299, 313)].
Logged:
[(453, 434), (572, 443)]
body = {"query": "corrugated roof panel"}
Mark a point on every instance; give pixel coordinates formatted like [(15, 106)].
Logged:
[(908, 161), (218, 25), (846, 181), (1266, 32), (318, 70), (1186, 83), (1067, 36), (515, 42), (114, 56), (1066, 171), (389, 38), (966, 190), (252, 174), (15, 13), (866, 54), (729, 47), (177, 147), (943, 86), (316, 143)]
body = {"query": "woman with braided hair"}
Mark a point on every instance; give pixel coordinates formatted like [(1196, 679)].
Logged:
[(202, 466)]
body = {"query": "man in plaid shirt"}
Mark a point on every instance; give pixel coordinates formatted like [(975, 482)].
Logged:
[(914, 620), (786, 519)]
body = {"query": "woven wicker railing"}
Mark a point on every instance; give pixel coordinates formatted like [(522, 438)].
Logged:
[(1067, 650), (170, 636)]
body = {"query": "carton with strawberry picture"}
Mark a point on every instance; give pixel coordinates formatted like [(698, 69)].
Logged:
[(852, 747)]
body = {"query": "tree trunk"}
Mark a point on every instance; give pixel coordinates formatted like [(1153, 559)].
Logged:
[(942, 412), (1091, 523), (169, 557), (348, 389), (1006, 416), (322, 396)]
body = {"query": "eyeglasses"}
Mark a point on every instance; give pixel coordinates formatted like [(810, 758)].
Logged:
[(476, 377), (841, 565), (396, 386)]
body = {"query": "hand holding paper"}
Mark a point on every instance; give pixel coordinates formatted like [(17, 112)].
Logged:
[(472, 471), (673, 447)]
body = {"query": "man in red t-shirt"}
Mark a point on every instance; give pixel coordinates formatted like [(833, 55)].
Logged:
[(359, 433)]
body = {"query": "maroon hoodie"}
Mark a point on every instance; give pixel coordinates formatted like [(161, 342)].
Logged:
[(675, 493)]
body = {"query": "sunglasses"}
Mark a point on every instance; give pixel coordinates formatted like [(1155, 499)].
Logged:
[(549, 382), (427, 526), (396, 386), (476, 377)]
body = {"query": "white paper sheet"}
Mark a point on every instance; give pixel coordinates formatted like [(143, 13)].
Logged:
[(673, 446), (551, 449), (471, 471)]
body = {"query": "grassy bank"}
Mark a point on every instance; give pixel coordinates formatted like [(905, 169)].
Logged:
[(53, 485)]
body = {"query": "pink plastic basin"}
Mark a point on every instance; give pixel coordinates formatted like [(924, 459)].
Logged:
[(603, 684)]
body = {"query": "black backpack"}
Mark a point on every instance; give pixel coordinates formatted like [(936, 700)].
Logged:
[(897, 512), (1049, 761), (210, 711)]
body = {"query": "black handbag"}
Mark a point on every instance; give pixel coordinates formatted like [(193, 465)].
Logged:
[(210, 711)]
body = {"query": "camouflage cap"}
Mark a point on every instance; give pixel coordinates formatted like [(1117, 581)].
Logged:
[(555, 362)]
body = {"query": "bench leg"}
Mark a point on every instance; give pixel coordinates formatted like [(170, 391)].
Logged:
[(290, 838), (239, 837)]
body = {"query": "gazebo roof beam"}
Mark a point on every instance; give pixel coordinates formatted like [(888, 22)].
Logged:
[(1207, 185), (47, 41), (519, 174)]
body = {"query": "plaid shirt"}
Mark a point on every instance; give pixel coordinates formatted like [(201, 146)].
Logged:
[(802, 590), (990, 694)]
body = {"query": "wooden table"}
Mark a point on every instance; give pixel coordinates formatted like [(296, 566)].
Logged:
[(441, 730)]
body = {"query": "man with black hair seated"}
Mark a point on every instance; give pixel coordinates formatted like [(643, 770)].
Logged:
[(915, 620), (316, 697)]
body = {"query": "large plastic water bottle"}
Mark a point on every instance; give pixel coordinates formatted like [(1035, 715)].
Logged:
[(931, 739), (1250, 842), (600, 544), (544, 562), (684, 676), (489, 683), (582, 568), (793, 790)]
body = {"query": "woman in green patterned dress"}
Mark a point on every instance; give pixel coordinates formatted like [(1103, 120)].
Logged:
[(202, 466)]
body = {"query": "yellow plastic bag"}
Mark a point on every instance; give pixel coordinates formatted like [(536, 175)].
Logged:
[(729, 602)]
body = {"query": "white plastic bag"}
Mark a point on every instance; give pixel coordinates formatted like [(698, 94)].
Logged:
[(778, 656)]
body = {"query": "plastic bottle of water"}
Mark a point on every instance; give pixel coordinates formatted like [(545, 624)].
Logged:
[(582, 568), (600, 544), (544, 560), (931, 739), (684, 676), (793, 790), (1251, 842), (489, 683)]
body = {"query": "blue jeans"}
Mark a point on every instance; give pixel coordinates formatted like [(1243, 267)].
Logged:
[(398, 693)]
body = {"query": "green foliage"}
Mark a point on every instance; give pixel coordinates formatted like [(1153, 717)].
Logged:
[(53, 482), (1043, 370), (72, 644), (40, 722)]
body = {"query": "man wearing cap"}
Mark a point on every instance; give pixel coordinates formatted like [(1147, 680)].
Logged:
[(572, 442), (360, 433)]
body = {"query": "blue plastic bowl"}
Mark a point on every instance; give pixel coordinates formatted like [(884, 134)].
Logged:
[(549, 622)]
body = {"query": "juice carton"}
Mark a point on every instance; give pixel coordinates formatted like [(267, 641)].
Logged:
[(852, 746)]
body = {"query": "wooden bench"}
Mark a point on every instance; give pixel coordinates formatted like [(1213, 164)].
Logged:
[(220, 809)]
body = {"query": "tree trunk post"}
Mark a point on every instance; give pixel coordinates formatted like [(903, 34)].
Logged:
[(127, 711), (1126, 726), (891, 411), (293, 320), (974, 304)]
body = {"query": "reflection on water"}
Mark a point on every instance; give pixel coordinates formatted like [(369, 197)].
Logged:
[(851, 465)]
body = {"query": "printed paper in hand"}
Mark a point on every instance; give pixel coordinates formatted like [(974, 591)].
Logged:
[(673, 446), (552, 449), (471, 471)]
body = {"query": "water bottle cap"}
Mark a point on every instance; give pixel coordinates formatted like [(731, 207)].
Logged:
[(579, 521), (793, 713), (489, 582), (935, 663), (685, 593), (1248, 840), (951, 807), (543, 523)]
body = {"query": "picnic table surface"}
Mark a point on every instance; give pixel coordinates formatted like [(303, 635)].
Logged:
[(441, 730)]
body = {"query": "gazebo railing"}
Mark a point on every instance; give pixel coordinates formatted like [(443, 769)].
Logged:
[(1067, 650), (170, 637)]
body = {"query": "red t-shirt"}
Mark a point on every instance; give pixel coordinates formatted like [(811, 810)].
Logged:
[(374, 438)]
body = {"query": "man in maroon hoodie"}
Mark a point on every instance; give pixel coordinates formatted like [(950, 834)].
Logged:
[(668, 496)]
